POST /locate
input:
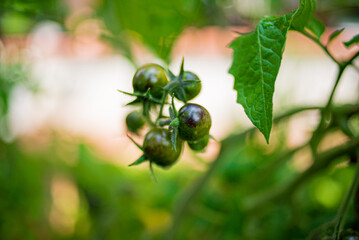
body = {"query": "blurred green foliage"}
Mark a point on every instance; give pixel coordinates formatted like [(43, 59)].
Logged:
[(116, 202), (156, 23), (19, 16), (56, 186)]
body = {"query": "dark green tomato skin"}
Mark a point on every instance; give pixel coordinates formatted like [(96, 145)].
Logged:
[(200, 144), (193, 90), (135, 121), (194, 122), (157, 147), (150, 76)]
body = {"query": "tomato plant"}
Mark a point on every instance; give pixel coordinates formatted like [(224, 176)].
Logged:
[(252, 184), (256, 61)]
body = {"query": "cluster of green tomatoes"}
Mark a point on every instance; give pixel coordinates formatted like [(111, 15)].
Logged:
[(155, 90)]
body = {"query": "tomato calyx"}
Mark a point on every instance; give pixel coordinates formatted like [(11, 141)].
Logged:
[(140, 97), (179, 85)]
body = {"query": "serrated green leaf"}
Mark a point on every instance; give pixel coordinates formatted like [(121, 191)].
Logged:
[(303, 14), (354, 40), (316, 26), (335, 34), (256, 61)]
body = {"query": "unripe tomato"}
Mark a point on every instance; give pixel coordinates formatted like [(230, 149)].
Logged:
[(193, 90), (157, 147), (150, 76), (194, 122), (200, 144), (135, 121)]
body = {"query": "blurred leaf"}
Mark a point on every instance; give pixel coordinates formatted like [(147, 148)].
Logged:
[(157, 22), (303, 14), (14, 23), (354, 40), (122, 43), (316, 26), (335, 34), (256, 60), (33, 11)]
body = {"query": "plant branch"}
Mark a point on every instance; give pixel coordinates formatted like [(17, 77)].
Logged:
[(322, 162), (317, 134), (227, 145), (317, 41), (146, 113), (330, 99), (343, 210), (162, 105)]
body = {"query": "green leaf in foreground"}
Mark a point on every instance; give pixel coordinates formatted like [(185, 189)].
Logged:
[(303, 14), (256, 61), (354, 40), (316, 26)]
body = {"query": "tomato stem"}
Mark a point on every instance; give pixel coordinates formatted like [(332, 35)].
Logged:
[(343, 210)]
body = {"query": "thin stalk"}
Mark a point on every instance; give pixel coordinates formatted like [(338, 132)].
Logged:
[(317, 41), (162, 105), (146, 113), (339, 76), (343, 210), (342, 66)]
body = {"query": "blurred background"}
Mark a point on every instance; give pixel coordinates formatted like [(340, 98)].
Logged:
[(63, 145)]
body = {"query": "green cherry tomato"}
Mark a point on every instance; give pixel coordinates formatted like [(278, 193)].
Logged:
[(194, 122), (157, 147), (150, 76), (200, 144), (193, 90), (135, 121)]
